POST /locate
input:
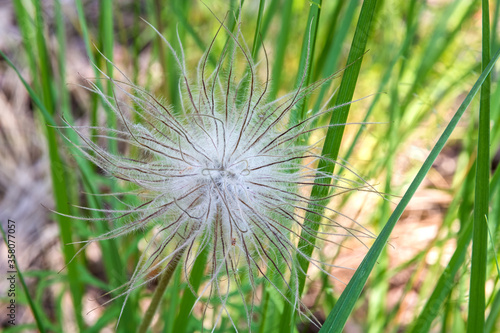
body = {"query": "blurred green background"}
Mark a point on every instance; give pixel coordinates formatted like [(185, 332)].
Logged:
[(423, 58)]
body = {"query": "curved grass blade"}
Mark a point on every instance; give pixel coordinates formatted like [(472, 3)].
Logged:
[(344, 306), (34, 97)]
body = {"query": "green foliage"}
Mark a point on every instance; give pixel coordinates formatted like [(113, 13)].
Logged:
[(418, 59)]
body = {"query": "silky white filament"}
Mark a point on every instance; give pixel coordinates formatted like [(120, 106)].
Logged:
[(223, 174)]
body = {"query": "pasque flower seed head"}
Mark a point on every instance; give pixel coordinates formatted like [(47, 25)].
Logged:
[(222, 175)]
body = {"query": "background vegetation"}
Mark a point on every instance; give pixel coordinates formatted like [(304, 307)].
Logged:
[(422, 62)]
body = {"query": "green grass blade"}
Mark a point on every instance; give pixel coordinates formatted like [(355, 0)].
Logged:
[(491, 322), (332, 145), (27, 30), (188, 299), (306, 58), (59, 181), (438, 44), (344, 306), (494, 27), (477, 296), (270, 14), (85, 31), (88, 48), (333, 139), (33, 95), (256, 38), (492, 239), (107, 40), (181, 17), (170, 302), (447, 279), (444, 284), (332, 52), (336, 20), (461, 206), (279, 58), (402, 55)]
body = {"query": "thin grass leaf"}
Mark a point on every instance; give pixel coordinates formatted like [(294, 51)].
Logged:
[(271, 13), (188, 299), (492, 239), (331, 146), (170, 303), (282, 43), (88, 48), (58, 177), (256, 39), (495, 304), (181, 17), (306, 56), (439, 42), (33, 95), (344, 306), (107, 40), (411, 29), (337, 18), (477, 298), (332, 53), (492, 320), (445, 283), (334, 135), (264, 313)]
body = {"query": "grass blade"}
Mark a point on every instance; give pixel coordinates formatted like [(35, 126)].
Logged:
[(491, 322), (332, 53), (256, 39), (332, 144), (282, 42), (188, 299), (34, 97), (306, 57), (334, 135), (444, 284), (477, 296), (59, 181), (344, 306)]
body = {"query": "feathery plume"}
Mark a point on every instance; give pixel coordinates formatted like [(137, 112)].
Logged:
[(222, 174)]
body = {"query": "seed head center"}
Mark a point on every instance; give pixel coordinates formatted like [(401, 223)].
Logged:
[(226, 180)]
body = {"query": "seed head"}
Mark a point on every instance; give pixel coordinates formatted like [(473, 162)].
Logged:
[(222, 175)]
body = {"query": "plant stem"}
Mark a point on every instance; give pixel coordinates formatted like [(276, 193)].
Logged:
[(160, 290)]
